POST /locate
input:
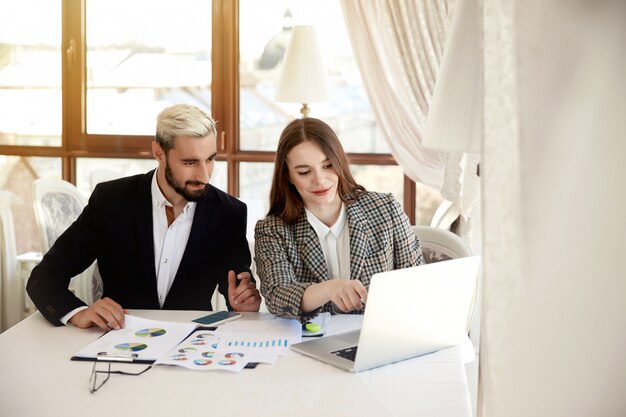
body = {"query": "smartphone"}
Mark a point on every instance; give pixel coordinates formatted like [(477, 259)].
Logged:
[(215, 319)]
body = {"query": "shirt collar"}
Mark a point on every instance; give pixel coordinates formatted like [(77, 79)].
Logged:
[(159, 200), (321, 229)]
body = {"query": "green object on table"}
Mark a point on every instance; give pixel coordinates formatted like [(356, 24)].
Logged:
[(312, 327)]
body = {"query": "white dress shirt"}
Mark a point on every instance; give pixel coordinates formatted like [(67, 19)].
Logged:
[(169, 241), (335, 242)]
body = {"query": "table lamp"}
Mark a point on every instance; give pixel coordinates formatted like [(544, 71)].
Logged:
[(303, 78)]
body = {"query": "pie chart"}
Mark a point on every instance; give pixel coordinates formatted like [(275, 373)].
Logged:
[(179, 357), (133, 347), (150, 332)]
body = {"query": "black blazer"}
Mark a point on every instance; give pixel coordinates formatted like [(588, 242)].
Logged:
[(115, 228)]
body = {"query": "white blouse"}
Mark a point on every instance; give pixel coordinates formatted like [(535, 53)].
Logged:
[(335, 243)]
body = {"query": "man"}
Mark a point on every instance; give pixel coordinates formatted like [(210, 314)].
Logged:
[(164, 239)]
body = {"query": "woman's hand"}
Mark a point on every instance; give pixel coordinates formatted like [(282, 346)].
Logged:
[(347, 295)]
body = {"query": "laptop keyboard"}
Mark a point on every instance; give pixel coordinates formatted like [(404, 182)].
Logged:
[(347, 353)]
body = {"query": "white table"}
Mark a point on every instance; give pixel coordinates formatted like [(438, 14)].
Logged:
[(37, 378)]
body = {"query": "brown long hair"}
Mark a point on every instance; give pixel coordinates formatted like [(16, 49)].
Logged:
[(285, 201)]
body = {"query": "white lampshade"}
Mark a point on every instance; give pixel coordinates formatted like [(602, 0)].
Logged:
[(303, 78)]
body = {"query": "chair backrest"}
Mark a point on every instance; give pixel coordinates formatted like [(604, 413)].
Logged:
[(58, 204), (10, 284), (445, 215), (441, 245)]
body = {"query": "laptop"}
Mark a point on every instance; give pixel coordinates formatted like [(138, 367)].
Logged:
[(410, 312)]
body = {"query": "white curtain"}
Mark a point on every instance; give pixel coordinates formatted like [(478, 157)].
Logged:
[(503, 269), (398, 46), (455, 123), (11, 294), (552, 172), (554, 231)]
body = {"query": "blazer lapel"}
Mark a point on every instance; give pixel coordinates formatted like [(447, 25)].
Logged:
[(310, 249), (359, 239), (143, 215)]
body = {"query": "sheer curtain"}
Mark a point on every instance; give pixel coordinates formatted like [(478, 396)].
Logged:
[(398, 47), (554, 230), (455, 123), (503, 269), (11, 295), (552, 178)]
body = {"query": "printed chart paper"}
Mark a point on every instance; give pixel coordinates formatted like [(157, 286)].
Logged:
[(229, 348), (261, 340), (141, 339), (200, 352)]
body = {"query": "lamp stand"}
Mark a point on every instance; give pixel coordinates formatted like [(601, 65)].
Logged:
[(305, 110)]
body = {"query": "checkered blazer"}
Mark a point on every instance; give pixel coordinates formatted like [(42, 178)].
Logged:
[(289, 258)]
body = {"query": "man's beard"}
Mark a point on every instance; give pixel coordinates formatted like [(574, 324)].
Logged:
[(187, 195)]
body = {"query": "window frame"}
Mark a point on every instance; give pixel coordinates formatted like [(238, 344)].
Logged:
[(76, 142)]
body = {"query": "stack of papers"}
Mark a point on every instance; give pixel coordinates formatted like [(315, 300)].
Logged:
[(231, 347)]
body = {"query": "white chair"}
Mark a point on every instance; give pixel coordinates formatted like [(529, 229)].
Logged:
[(11, 290), (441, 245), (58, 204), (445, 215)]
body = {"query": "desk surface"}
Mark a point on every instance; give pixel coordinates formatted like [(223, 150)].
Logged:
[(38, 378)]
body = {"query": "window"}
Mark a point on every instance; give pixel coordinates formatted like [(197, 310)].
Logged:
[(30, 97), (265, 32), (81, 83), (142, 56)]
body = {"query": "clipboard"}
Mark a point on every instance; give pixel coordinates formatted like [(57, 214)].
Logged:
[(114, 357)]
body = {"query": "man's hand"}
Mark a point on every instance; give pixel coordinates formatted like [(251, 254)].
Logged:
[(104, 313), (245, 296)]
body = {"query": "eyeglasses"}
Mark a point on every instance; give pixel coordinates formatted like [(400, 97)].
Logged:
[(96, 383)]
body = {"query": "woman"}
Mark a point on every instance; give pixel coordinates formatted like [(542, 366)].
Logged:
[(324, 235)]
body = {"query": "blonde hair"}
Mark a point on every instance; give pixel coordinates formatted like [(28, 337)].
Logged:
[(182, 120)]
